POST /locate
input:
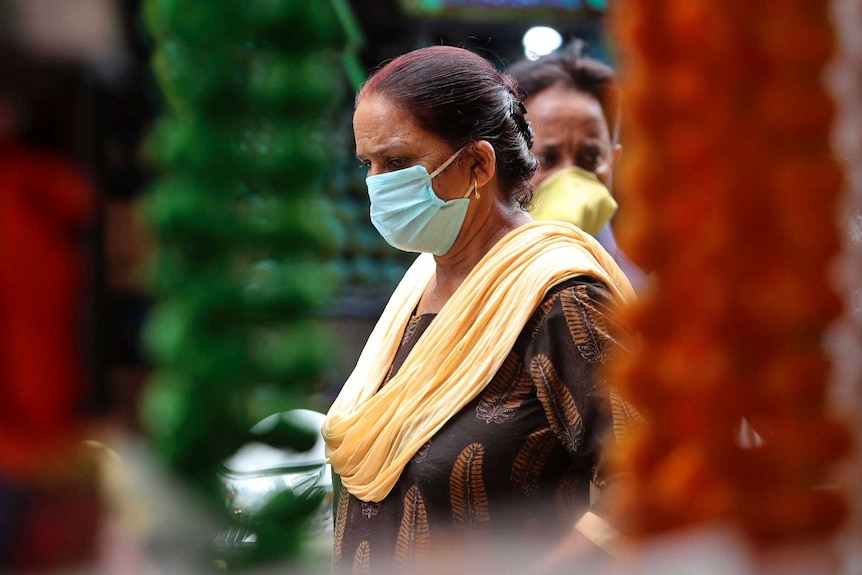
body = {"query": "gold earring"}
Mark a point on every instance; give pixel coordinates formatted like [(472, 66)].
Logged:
[(476, 187)]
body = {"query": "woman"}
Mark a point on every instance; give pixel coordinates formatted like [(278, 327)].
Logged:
[(574, 113), (475, 408)]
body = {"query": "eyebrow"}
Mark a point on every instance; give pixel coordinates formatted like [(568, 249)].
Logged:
[(383, 150), (549, 145), (596, 143)]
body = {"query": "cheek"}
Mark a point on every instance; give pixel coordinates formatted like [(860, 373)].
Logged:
[(449, 186), (604, 174)]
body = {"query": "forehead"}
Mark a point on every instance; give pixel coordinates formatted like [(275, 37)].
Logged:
[(560, 109), (378, 126)]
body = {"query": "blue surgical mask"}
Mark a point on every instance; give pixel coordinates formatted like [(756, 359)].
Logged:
[(410, 216)]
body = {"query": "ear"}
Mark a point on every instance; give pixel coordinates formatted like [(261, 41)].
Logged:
[(482, 162), (618, 153)]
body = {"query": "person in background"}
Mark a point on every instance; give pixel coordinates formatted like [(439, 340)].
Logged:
[(50, 510), (476, 415), (574, 112)]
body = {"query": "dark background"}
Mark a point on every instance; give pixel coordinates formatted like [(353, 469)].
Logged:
[(96, 114)]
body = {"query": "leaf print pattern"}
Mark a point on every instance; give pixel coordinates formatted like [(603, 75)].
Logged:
[(370, 508), (414, 539), (340, 521), (467, 490), (583, 320), (563, 413), (362, 559), (506, 392), (530, 461), (605, 321), (623, 413), (422, 453), (538, 318)]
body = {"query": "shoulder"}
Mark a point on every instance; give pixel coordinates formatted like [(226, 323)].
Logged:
[(580, 301), (585, 290), (585, 286)]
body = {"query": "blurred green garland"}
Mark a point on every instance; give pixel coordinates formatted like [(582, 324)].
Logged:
[(242, 229)]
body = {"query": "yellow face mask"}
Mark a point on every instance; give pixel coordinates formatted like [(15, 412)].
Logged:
[(574, 195)]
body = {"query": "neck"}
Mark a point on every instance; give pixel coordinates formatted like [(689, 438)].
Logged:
[(480, 233)]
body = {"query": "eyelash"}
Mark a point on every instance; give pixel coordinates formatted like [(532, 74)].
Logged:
[(391, 164), (591, 158), (594, 157)]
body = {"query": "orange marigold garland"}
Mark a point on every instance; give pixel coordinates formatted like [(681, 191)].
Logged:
[(731, 190), (846, 83)]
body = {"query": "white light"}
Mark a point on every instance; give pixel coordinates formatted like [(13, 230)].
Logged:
[(541, 40)]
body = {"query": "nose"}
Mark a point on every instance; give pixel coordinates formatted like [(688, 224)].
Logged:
[(375, 169), (567, 161)]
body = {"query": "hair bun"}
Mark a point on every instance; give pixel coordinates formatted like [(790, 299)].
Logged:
[(518, 111)]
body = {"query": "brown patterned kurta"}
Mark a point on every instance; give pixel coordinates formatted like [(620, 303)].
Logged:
[(517, 461)]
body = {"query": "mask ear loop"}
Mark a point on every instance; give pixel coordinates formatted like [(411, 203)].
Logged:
[(473, 188), (446, 163)]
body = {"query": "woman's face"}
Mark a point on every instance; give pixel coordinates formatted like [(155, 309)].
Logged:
[(570, 130), (387, 139)]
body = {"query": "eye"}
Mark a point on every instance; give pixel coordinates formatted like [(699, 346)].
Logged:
[(548, 160), (589, 161), (396, 163), (590, 157)]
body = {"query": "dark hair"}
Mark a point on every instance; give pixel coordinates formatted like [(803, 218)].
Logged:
[(463, 98), (572, 69)]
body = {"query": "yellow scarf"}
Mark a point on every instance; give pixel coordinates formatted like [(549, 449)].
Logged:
[(372, 433)]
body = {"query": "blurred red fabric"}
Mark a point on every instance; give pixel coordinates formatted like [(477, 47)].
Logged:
[(45, 204)]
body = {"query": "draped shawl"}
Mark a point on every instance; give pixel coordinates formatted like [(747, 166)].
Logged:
[(371, 432)]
